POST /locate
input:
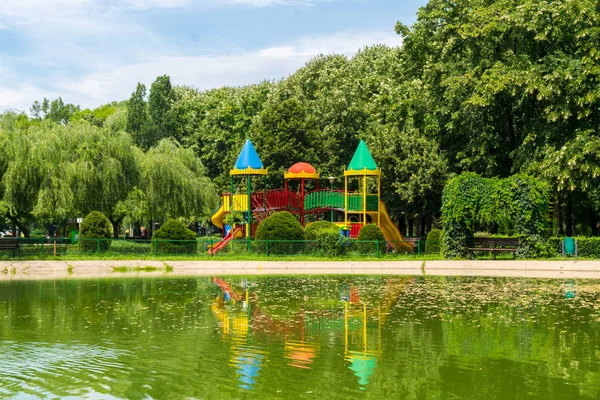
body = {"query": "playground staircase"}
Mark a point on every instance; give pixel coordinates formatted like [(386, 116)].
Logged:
[(261, 208)]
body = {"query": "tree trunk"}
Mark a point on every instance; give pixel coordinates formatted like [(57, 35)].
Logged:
[(422, 223), (115, 224), (556, 217), (402, 225), (569, 216), (410, 226), (18, 224)]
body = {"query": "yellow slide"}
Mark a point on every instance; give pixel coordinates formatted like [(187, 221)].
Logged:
[(217, 217), (240, 202), (390, 230)]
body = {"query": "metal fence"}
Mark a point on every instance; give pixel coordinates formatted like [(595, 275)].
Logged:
[(47, 247)]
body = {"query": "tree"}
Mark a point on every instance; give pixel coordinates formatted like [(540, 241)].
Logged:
[(160, 102), (284, 135), (174, 184), (137, 116)]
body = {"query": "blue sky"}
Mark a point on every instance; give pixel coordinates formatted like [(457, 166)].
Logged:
[(91, 52)]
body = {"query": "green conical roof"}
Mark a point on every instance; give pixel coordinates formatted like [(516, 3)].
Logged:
[(362, 159)]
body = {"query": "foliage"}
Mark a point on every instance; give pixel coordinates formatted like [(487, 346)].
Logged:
[(233, 218), (174, 183), (370, 232), (97, 116), (280, 226), (330, 241), (312, 229), (137, 117), (55, 110), (173, 237), (432, 244), (95, 226), (519, 205)]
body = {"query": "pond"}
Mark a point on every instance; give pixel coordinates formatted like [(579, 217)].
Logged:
[(297, 337)]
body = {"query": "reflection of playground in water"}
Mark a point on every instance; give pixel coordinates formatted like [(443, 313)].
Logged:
[(241, 318)]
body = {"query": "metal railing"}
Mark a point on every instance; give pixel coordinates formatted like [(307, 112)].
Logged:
[(48, 247)]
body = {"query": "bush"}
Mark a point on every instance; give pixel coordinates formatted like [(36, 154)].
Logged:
[(173, 237), (330, 241), (93, 227), (370, 232), (432, 244), (311, 231), (281, 226), (534, 246)]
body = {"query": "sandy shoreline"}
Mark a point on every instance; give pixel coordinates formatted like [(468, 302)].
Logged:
[(87, 269)]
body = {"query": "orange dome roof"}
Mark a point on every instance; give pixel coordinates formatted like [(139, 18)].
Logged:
[(302, 167), (301, 170)]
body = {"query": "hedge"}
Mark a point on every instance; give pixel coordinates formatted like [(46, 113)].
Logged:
[(588, 247)]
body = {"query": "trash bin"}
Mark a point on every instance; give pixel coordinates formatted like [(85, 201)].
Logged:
[(569, 247)]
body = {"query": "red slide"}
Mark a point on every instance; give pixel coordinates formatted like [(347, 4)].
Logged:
[(224, 242)]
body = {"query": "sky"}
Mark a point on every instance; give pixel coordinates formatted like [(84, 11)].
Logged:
[(91, 52)]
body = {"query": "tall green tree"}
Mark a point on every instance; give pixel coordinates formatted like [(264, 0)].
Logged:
[(137, 116)]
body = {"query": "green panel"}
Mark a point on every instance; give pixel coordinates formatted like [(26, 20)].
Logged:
[(323, 199)]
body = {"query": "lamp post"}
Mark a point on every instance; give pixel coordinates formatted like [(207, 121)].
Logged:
[(331, 179)]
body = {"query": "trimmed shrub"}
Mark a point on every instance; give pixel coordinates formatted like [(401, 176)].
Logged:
[(173, 237), (312, 230), (432, 244), (330, 241), (370, 232), (281, 226), (93, 227)]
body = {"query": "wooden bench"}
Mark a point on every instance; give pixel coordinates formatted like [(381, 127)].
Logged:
[(495, 245), (10, 244)]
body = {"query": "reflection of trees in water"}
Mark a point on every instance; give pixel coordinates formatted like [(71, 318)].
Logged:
[(436, 337), (523, 333)]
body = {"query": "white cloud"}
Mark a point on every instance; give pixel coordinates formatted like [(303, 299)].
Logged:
[(205, 72), (91, 52)]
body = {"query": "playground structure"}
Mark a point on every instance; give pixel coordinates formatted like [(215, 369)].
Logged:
[(349, 209)]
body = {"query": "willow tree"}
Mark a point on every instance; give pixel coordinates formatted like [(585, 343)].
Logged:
[(33, 183), (101, 170), (174, 184)]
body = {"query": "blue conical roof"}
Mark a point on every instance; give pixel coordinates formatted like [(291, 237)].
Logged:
[(248, 157)]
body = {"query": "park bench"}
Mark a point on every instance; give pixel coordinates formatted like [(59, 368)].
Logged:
[(9, 244), (494, 245)]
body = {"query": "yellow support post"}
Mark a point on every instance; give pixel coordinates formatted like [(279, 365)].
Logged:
[(379, 200), (345, 200), (365, 199)]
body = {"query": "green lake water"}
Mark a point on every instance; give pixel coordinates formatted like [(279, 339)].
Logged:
[(321, 338)]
